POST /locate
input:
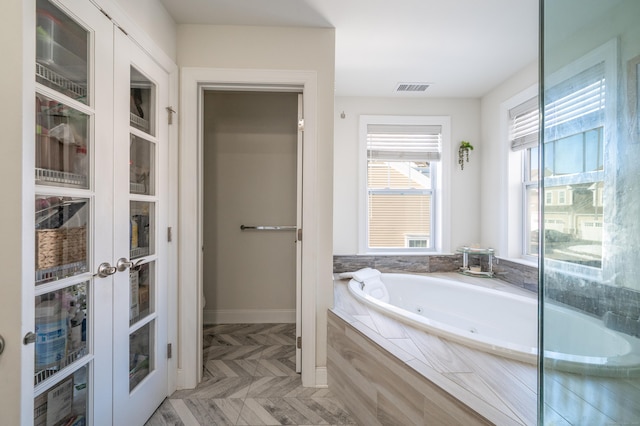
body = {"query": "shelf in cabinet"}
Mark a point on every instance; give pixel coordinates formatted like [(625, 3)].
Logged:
[(59, 272), (42, 375), (139, 122), (60, 178), (137, 188), (138, 252), (58, 80)]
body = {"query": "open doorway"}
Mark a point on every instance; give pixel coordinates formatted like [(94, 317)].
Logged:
[(195, 82), (250, 206)]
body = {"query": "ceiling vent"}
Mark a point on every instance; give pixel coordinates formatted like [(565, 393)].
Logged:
[(411, 87)]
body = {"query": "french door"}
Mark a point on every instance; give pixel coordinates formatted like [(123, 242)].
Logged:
[(100, 157)]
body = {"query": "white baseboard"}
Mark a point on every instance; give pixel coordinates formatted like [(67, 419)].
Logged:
[(248, 316), (321, 377)]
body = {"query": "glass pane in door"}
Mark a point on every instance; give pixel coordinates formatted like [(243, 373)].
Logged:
[(142, 102), (141, 166), (141, 229), (61, 52), (61, 330), (65, 403), (142, 292), (61, 237), (62, 148), (141, 354)]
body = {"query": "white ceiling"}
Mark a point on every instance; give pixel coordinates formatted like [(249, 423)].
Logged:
[(464, 48)]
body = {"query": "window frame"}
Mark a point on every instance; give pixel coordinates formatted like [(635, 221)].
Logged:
[(440, 175), (513, 241), (607, 54)]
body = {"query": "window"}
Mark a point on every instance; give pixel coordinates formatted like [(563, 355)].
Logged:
[(401, 157), (524, 125), (574, 162), (575, 134)]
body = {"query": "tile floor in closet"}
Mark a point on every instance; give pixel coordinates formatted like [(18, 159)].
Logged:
[(249, 379)]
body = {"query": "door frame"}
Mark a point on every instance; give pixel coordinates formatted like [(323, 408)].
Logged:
[(192, 84)]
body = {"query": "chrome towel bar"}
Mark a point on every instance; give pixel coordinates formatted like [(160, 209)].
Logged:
[(267, 228)]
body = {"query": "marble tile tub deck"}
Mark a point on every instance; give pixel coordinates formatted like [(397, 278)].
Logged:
[(503, 391), (249, 378)]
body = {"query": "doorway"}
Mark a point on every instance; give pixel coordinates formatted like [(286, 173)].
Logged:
[(194, 83), (250, 205)]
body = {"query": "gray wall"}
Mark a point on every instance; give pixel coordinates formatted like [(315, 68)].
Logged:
[(249, 171)]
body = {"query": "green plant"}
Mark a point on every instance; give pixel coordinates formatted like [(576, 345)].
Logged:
[(463, 153)]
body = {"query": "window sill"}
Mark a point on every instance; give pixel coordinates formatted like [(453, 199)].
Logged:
[(405, 253), (521, 261)]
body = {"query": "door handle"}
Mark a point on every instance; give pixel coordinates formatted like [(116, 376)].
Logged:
[(105, 269), (123, 264)]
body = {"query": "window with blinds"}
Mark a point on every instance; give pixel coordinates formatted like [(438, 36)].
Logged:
[(573, 166), (400, 177)]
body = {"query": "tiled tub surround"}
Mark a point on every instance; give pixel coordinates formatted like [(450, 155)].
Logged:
[(515, 273), (376, 363), (390, 373)]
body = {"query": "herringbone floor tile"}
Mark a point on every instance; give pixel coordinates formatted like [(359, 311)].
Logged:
[(249, 378)]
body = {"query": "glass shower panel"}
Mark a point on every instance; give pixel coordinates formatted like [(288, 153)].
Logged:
[(589, 199)]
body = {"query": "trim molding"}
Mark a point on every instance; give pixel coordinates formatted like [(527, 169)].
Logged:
[(321, 377), (248, 316)]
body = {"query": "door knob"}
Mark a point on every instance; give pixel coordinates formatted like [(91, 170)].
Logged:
[(105, 269), (123, 264)]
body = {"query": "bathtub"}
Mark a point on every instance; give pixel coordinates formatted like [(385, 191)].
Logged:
[(504, 323)]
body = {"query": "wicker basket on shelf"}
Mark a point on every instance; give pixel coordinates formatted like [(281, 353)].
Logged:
[(60, 246)]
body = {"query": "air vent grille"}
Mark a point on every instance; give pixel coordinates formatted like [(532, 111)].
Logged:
[(411, 87)]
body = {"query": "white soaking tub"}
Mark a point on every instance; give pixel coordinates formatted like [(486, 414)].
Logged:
[(504, 324)]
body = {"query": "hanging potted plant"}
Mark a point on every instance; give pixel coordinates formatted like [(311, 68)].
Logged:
[(463, 153)]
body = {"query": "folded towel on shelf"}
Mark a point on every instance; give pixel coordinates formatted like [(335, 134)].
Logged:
[(360, 275), (374, 287)]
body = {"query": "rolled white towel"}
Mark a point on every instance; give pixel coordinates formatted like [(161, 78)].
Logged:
[(360, 275), (374, 287)]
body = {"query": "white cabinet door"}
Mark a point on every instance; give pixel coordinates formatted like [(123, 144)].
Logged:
[(101, 159), (73, 214), (141, 188)]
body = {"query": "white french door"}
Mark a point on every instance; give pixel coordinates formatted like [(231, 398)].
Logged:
[(100, 285), (140, 248)]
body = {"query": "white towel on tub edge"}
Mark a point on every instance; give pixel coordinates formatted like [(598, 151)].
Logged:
[(361, 275), (374, 287)]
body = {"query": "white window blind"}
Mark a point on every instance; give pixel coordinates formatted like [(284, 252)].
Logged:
[(576, 104), (394, 142), (571, 107), (525, 124)]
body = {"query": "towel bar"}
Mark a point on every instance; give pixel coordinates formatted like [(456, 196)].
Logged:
[(268, 228)]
